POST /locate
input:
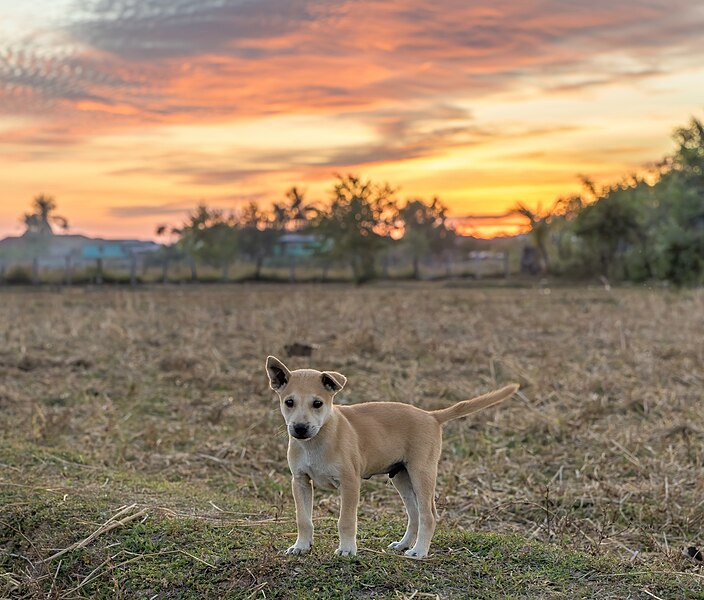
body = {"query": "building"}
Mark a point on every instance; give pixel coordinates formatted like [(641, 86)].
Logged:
[(297, 245), (58, 251)]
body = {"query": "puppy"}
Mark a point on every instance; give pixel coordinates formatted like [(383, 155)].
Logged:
[(335, 447)]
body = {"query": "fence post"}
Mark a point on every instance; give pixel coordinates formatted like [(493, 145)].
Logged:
[(35, 271), (506, 267), (192, 265), (292, 269), (2, 273), (133, 269), (99, 271), (68, 275), (226, 271)]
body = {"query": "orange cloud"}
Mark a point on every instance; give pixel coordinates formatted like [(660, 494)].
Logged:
[(163, 103)]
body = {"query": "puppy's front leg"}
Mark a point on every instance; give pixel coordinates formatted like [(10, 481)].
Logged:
[(347, 524), (303, 497)]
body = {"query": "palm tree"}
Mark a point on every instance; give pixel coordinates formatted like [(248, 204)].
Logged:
[(539, 229), (295, 212), (40, 220), (424, 230), (169, 252)]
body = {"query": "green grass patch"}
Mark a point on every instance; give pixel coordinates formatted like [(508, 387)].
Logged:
[(172, 551)]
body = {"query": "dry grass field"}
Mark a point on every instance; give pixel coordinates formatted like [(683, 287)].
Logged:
[(153, 405)]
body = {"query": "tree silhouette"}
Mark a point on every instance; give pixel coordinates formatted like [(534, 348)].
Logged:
[(689, 156), (424, 230), (210, 236), (357, 223), (39, 222), (539, 230), (294, 213), (257, 236), (609, 226), (169, 252)]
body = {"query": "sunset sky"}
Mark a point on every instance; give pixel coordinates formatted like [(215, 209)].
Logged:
[(130, 112)]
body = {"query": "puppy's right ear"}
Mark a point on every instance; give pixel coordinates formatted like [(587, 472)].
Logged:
[(278, 373)]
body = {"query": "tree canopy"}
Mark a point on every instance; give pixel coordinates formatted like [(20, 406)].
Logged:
[(43, 216), (647, 227)]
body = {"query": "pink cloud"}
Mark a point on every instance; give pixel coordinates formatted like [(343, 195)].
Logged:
[(398, 68), (166, 61)]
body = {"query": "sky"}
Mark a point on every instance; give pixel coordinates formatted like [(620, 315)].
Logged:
[(131, 112)]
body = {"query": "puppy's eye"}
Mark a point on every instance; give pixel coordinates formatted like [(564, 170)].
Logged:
[(288, 402), (317, 403)]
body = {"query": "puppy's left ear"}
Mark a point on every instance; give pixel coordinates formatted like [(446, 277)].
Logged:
[(333, 381), (278, 373)]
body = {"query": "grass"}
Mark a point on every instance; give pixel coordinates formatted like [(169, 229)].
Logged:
[(188, 548), (586, 485)]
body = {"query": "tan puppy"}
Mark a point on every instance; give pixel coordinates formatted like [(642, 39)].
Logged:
[(335, 447)]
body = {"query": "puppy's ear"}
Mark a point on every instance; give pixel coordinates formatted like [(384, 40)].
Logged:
[(278, 373), (333, 381)]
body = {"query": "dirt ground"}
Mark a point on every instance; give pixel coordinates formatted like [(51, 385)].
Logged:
[(602, 450)]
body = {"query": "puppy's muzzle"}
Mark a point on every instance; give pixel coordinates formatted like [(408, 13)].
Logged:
[(300, 431)]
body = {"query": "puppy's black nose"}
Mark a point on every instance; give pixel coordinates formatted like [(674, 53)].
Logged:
[(300, 430)]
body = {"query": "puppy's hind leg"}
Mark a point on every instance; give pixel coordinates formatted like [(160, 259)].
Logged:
[(402, 483), (423, 480)]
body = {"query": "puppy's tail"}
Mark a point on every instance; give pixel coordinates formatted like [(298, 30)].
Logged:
[(467, 407)]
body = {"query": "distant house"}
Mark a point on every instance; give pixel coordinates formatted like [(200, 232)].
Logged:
[(116, 249), (298, 245), (101, 249), (55, 251)]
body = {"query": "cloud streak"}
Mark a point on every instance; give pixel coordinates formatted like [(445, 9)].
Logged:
[(416, 77), (155, 61)]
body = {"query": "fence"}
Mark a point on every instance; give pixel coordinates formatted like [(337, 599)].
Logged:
[(136, 269)]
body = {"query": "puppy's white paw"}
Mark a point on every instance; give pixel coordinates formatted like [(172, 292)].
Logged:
[(346, 551), (397, 545), (413, 553), (296, 549)]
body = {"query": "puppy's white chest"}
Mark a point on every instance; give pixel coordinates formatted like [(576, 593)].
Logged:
[(325, 481), (324, 475)]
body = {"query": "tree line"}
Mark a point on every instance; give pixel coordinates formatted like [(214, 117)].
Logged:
[(361, 220), (646, 227)]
